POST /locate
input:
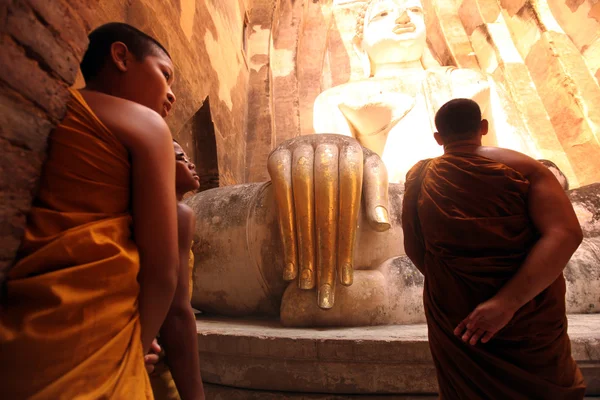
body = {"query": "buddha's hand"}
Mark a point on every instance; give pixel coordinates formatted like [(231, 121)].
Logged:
[(318, 182)]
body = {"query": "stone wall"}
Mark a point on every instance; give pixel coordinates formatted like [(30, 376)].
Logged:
[(42, 44), (204, 37)]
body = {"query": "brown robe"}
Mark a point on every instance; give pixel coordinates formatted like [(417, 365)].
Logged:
[(469, 217)]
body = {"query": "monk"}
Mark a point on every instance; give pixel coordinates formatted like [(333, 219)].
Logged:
[(177, 376), (97, 268), (491, 230)]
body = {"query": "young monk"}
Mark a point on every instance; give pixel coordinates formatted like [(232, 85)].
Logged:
[(492, 229), (179, 377), (75, 322)]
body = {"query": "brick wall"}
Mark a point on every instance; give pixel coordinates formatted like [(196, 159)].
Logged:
[(42, 44)]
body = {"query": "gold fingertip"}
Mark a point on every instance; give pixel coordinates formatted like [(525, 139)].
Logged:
[(307, 279), (326, 296), (347, 275), (382, 218), (289, 272)]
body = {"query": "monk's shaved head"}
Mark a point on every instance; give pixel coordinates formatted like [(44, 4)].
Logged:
[(458, 119), (101, 39)]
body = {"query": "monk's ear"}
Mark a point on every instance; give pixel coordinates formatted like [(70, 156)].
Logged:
[(438, 138), (120, 55), (484, 128)]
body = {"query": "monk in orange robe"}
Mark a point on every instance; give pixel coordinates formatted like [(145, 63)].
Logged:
[(491, 230), (177, 376), (75, 323)]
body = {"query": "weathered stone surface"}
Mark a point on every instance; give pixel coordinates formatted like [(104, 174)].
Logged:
[(230, 253), (474, 13), (560, 82), (258, 354), (29, 79), (38, 65), (578, 23), (259, 127), (563, 80), (448, 35), (70, 22), (524, 27), (284, 72), (311, 50), (219, 392), (364, 303), (499, 57), (50, 51)]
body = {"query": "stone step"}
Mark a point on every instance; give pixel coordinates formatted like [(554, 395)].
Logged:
[(379, 360)]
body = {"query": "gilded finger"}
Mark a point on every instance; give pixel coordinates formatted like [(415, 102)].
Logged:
[(375, 191), (326, 215), (304, 204), (279, 166), (350, 181)]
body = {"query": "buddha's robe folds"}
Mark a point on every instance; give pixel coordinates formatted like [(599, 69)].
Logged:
[(469, 216), (69, 322)]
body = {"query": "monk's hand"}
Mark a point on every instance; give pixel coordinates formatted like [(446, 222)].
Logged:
[(318, 181), (485, 321), (151, 358)]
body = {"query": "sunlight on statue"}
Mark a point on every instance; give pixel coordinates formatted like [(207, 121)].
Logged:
[(322, 243), (391, 111)]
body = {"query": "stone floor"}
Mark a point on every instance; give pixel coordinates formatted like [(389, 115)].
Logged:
[(258, 359), (216, 392)]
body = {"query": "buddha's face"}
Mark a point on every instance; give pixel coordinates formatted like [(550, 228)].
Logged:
[(394, 31)]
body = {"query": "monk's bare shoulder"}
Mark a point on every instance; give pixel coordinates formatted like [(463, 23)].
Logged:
[(132, 123), (185, 224), (525, 165)]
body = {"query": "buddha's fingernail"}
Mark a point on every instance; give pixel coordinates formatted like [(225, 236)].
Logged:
[(326, 296), (347, 275), (307, 280), (289, 272), (382, 217)]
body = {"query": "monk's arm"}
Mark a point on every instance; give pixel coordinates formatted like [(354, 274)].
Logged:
[(178, 332), (560, 235), (413, 248), (413, 242), (154, 212)]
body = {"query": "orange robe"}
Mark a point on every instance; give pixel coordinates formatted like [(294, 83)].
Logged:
[(470, 219), (163, 385), (69, 323)]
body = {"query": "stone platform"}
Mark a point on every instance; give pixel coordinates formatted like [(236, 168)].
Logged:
[(252, 359)]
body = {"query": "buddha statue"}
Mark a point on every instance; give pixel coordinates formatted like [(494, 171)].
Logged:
[(391, 110), (321, 244)]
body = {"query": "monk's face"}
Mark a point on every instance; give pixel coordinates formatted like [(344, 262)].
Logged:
[(394, 31), (149, 81), (186, 178)]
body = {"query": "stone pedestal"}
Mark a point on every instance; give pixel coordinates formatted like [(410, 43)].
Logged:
[(248, 359)]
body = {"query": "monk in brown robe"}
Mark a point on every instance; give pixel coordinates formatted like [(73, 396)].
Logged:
[(491, 230), (97, 268)]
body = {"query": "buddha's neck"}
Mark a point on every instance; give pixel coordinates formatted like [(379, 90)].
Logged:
[(396, 69)]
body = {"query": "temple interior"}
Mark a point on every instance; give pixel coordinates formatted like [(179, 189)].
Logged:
[(253, 74)]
